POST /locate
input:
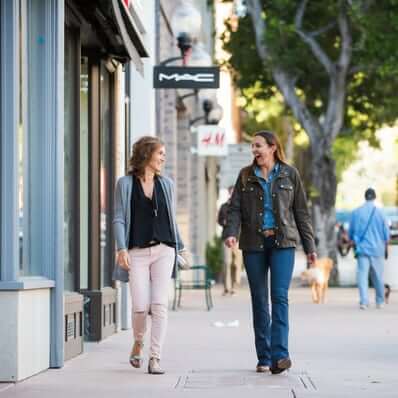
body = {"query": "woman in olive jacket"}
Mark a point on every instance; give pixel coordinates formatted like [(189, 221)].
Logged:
[(268, 212)]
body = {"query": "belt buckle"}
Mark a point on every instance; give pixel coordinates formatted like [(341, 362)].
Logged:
[(268, 232)]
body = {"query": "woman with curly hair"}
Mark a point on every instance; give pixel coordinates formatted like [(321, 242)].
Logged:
[(147, 241)]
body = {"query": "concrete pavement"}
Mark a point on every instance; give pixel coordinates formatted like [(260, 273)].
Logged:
[(337, 351)]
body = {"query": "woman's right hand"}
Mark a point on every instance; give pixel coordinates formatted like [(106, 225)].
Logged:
[(123, 259), (230, 242)]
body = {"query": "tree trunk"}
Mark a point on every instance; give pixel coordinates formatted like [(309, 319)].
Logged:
[(324, 184), (288, 130)]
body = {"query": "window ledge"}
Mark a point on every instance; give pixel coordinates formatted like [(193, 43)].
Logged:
[(27, 283)]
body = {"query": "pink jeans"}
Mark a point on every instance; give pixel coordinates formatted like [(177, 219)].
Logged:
[(150, 273)]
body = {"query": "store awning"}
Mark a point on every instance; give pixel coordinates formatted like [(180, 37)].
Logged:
[(130, 33)]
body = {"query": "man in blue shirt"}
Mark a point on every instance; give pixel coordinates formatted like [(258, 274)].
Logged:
[(370, 234)]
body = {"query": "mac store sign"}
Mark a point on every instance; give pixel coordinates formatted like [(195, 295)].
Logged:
[(186, 77)]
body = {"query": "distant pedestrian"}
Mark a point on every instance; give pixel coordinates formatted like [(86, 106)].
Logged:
[(343, 240), (232, 256), (147, 240), (269, 211), (370, 235)]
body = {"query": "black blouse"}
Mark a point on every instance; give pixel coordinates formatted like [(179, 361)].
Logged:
[(150, 218)]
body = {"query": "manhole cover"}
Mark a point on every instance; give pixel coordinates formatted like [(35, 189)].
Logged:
[(204, 382), (216, 379)]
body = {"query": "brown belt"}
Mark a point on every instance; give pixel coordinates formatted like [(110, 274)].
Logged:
[(147, 245), (268, 232)]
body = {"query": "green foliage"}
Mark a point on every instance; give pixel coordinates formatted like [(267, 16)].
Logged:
[(344, 152), (214, 255), (372, 84), (396, 190)]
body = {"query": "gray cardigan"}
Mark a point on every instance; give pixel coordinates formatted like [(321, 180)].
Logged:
[(122, 217)]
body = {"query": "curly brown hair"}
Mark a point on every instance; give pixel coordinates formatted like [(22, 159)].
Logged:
[(142, 152)]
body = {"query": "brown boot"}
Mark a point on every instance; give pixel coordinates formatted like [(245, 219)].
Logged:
[(262, 369), (281, 365), (136, 358)]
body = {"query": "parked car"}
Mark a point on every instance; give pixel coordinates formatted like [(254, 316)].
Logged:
[(391, 214), (343, 217)]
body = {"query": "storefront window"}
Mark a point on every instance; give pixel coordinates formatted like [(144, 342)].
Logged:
[(23, 215), (106, 177), (84, 172), (71, 117), (1, 118)]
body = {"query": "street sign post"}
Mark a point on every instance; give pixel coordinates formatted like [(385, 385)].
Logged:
[(239, 156), (186, 77)]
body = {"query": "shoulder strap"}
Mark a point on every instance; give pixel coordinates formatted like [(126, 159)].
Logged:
[(367, 225)]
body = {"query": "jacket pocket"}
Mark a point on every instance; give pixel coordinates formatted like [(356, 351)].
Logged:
[(285, 195), (291, 233), (247, 202), (288, 186)]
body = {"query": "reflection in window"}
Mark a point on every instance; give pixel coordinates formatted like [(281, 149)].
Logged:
[(70, 159), (84, 168), (105, 172), (1, 118), (21, 139)]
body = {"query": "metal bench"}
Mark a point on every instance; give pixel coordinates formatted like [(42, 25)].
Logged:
[(197, 277)]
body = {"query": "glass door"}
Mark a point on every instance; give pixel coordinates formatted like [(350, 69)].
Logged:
[(106, 176), (71, 159), (84, 172)]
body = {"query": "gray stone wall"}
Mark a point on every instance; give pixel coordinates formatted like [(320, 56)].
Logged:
[(196, 192), (166, 113), (184, 177)]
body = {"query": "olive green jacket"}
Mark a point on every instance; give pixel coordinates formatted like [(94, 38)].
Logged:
[(292, 218)]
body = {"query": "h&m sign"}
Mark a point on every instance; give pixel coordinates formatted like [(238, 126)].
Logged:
[(186, 77), (211, 141)]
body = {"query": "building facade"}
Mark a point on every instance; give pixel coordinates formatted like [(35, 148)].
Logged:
[(63, 144), (75, 93)]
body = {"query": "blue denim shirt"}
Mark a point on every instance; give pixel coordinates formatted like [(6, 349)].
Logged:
[(377, 234), (268, 215)]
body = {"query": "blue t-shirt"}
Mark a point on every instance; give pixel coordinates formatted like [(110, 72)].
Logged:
[(377, 234)]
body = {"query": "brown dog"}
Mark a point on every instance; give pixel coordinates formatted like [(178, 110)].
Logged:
[(318, 277)]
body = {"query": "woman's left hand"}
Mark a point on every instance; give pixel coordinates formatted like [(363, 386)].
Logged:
[(311, 258), (185, 259)]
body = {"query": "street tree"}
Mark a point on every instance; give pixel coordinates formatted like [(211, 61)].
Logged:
[(335, 63)]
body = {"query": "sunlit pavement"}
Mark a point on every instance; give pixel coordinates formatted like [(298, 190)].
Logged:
[(337, 351)]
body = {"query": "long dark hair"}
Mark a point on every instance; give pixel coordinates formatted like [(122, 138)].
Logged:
[(272, 139), (142, 152)]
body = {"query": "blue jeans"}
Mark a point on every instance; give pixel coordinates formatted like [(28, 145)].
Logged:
[(376, 267), (271, 335)]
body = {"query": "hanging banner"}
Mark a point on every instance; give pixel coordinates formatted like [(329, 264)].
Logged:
[(186, 77), (212, 141)]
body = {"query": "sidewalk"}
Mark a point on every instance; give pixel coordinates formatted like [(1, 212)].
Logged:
[(337, 351)]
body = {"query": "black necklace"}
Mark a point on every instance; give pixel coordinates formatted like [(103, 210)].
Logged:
[(155, 200)]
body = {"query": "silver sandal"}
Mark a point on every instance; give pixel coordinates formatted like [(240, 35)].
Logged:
[(136, 360)]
